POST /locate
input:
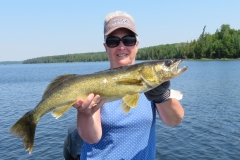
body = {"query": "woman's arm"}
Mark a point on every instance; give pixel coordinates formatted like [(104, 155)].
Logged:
[(89, 119), (169, 109), (171, 112)]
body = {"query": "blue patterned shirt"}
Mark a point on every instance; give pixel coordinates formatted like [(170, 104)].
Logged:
[(125, 136)]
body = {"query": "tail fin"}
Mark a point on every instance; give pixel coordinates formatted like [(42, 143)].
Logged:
[(25, 128)]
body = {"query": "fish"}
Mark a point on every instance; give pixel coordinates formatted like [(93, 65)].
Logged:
[(126, 83)]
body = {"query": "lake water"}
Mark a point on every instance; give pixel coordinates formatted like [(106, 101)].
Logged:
[(210, 128)]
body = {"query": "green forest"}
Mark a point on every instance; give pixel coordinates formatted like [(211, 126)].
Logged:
[(223, 44)]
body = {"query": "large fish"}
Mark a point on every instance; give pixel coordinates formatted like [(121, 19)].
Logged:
[(124, 83)]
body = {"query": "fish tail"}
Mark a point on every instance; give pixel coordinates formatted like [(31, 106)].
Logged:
[(25, 128)]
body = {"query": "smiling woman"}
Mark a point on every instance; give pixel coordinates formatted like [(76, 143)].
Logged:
[(106, 131), (118, 53), (120, 35)]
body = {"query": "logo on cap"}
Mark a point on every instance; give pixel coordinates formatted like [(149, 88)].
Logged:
[(121, 21)]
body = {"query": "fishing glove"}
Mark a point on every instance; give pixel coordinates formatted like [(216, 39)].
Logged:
[(159, 94)]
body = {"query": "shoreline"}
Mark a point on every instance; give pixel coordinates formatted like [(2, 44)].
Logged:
[(202, 59), (207, 59)]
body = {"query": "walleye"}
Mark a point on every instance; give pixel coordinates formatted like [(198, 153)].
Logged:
[(124, 83)]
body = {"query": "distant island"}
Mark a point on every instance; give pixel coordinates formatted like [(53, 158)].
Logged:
[(11, 62), (223, 44)]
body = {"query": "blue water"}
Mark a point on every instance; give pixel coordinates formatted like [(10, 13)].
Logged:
[(210, 128)]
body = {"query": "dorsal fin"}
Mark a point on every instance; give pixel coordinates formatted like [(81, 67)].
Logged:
[(119, 67), (110, 69), (56, 81)]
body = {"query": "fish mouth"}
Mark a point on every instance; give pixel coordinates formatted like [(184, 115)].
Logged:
[(169, 69), (176, 69)]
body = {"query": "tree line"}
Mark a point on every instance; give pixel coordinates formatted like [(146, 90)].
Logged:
[(224, 43), (77, 57)]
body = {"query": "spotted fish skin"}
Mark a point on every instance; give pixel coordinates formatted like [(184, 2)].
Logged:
[(124, 83)]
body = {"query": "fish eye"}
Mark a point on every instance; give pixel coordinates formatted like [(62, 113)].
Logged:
[(168, 63)]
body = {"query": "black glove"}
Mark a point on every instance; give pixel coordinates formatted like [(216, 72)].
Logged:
[(160, 93)]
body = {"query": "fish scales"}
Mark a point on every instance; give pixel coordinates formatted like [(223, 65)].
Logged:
[(124, 83)]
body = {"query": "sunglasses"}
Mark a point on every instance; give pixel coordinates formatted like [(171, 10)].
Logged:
[(113, 41)]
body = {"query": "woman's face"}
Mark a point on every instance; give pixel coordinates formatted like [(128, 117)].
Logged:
[(121, 55)]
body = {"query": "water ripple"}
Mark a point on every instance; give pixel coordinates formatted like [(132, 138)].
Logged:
[(210, 128)]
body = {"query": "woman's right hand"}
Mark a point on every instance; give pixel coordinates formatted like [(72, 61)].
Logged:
[(89, 105), (89, 119)]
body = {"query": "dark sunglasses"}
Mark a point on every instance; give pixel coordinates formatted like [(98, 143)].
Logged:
[(113, 41)]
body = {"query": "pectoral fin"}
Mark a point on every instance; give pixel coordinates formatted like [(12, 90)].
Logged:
[(125, 107), (131, 100), (59, 111)]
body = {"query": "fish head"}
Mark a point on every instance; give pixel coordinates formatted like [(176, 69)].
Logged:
[(154, 73), (168, 69)]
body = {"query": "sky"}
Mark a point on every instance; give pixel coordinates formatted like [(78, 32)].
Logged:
[(30, 29)]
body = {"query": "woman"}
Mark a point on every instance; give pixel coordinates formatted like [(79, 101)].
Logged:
[(108, 133)]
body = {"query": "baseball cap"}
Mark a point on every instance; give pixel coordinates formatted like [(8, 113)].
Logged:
[(119, 22)]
